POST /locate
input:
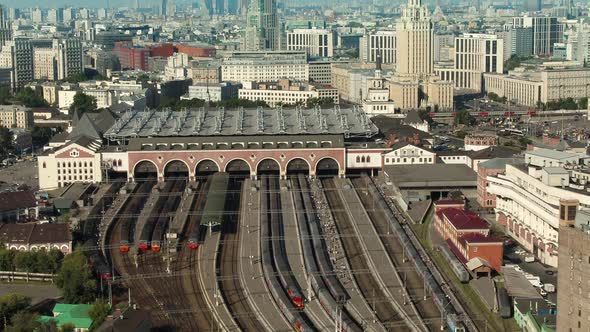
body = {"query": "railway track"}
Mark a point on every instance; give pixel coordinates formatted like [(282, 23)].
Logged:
[(227, 263), (140, 291), (367, 283), (414, 283), (187, 261)]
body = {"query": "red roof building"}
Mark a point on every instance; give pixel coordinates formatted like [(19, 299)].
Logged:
[(468, 237)]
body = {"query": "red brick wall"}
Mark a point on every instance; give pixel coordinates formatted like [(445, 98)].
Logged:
[(195, 51), (491, 252), (164, 50), (223, 157)]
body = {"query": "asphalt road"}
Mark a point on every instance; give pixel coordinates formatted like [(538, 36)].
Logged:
[(37, 292), (23, 172)]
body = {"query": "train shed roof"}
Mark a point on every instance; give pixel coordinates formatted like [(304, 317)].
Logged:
[(350, 122)]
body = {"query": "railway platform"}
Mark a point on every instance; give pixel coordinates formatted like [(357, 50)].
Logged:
[(250, 264), (377, 257), (145, 213), (357, 305), (294, 253), (110, 214), (207, 269)]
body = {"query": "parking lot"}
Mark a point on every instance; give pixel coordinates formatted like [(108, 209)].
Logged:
[(22, 172), (547, 275)]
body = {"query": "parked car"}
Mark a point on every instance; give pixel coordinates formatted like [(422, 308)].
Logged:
[(549, 288), (529, 259)]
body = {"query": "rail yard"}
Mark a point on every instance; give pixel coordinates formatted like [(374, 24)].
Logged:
[(227, 252)]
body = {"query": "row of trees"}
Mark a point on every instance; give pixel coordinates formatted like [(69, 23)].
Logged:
[(26, 97), (40, 261)]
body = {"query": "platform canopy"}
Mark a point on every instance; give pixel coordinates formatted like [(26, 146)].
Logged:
[(351, 122)]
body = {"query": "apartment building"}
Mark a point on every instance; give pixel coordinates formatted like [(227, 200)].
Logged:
[(535, 198)]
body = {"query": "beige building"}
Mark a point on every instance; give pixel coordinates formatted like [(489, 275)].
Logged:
[(286, 93), (13, 116), (414, 84), (574, 268), (269, 66), (544, 85), (415, 39)]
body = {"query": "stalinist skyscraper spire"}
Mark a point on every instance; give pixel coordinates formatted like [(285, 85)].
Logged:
[(415, 37), (262, 26)]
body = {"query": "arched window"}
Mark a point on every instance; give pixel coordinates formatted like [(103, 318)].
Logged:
[(69, 164), (120, 162), (58, 164), (368, 159), (44, 165), (363, 159), (358, 159)]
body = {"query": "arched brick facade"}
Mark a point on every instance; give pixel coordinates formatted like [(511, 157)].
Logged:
[(223, 157)]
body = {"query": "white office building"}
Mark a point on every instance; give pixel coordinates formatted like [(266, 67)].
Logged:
[(316, 42)]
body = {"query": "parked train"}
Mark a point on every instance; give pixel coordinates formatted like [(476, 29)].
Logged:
[(456, 265), (213, 211), (285, 304), (129, 223), (152, 220), (504, 303), (455, 324), (330, 292)]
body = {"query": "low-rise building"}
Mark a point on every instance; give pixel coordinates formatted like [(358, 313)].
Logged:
[(71, 314), (468, 237), (15, 116), (18, 206), (405, 153), (33, 237), (213, 91), (535, 315), (479, 142)]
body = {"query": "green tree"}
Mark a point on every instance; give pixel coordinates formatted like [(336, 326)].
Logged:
[(425, 115), (353, 24), (24, 322), (25, 261), (10, 304), (5, 95), (68, 328), (75, 279), (99, 312), (6, 259), (237, 102), (83, 103), (6, 141), (324, 102), (41, 135), (463, 117), (583, 103), (30, 98)]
